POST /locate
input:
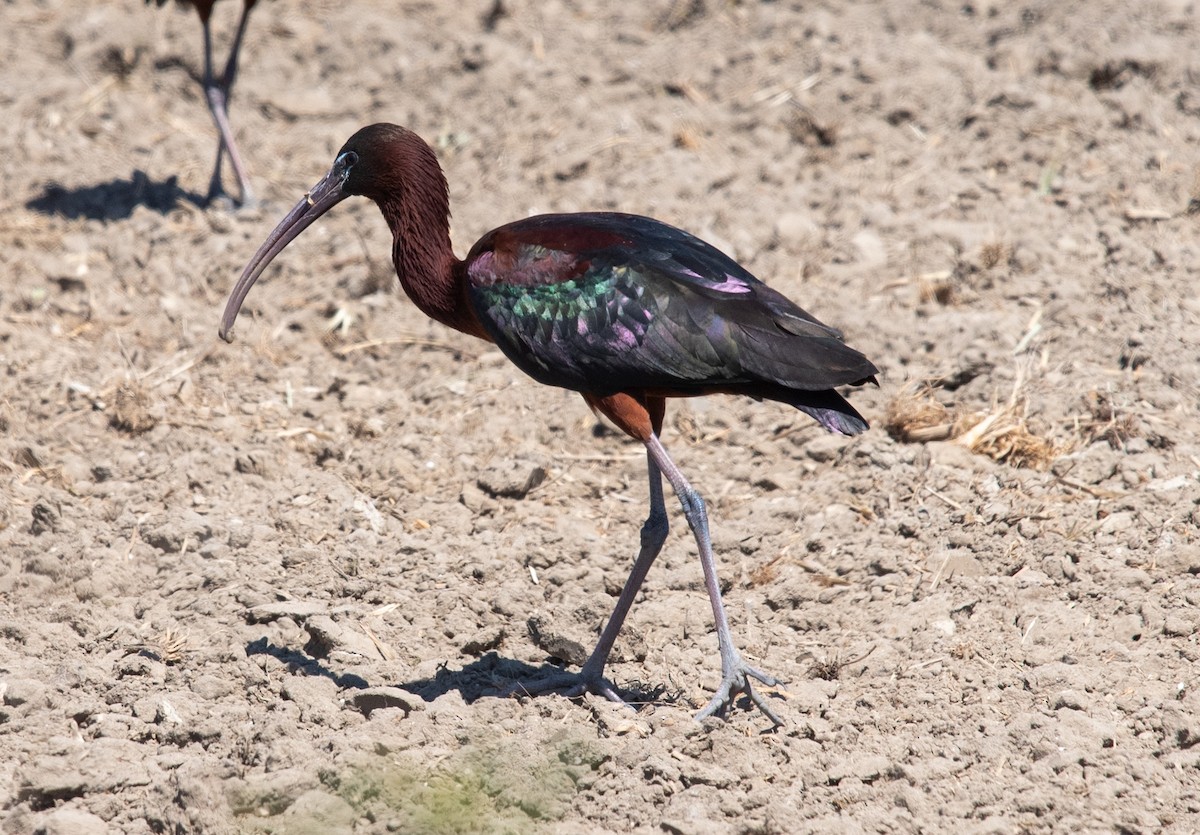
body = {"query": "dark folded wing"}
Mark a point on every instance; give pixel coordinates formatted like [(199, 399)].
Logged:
[(608, 302)]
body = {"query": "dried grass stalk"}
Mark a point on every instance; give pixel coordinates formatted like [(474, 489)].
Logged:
[(915, 416), (1108, 423), (1002, 433)]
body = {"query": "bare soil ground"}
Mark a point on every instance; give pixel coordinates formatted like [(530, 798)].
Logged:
[(265, 587)]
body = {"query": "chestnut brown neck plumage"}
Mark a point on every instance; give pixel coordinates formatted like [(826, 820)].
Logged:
[(415, 201)]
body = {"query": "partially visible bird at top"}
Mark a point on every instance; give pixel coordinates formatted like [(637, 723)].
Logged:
[(623, 309), (217, 92)]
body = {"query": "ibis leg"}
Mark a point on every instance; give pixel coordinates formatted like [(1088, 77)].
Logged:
[(590, 677), (215, 189), (654, 534), (231, 67), (232, 64), (735, 673), (217, 104), (216, 93)]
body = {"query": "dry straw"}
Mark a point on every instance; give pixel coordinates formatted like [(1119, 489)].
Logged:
[(1002, 433)]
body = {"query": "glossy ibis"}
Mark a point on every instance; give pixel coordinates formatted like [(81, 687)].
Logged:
[(625, 310), (217, 92)]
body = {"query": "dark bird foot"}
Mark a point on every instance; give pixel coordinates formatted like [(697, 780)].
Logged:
[(735, 682), (570, 685), (219, 198), (575, 685)]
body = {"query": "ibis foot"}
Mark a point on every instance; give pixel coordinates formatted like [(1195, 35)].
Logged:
[(218, 197), (737, 682), (570, 685)]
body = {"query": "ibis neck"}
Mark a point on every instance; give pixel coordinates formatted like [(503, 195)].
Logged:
[(429, 273)]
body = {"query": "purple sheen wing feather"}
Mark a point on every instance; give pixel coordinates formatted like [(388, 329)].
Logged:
[(609, 302)]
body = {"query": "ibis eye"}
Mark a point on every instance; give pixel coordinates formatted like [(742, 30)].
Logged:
[(348, 159)]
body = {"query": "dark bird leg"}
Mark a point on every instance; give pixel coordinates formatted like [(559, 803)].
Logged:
[(231, 68), (232, 64), (218, 94), (590, 677), (213, 97), (654, 534), (735, 673)]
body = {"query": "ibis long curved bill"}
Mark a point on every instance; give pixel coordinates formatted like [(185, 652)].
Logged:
[(320, 198)]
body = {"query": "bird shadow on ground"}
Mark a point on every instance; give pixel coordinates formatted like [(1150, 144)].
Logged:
[(493, 675), (489, 676), (299, 662), (114, 200)]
